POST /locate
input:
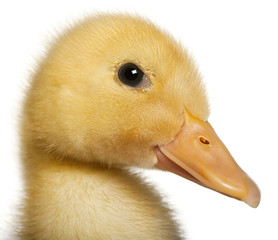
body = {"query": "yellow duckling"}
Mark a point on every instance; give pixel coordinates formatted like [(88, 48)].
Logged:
[(115, 91)]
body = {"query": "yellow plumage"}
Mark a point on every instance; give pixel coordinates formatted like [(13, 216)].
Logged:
[(81, 127)]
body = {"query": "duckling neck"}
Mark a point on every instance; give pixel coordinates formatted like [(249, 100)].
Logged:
[(71, 200)]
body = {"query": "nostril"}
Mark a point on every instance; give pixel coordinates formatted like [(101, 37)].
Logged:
[(204, 140)]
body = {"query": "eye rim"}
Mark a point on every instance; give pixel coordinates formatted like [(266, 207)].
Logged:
[(144, 84)]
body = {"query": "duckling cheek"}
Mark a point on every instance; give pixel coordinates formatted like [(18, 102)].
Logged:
[(138, 129), (164, 118)]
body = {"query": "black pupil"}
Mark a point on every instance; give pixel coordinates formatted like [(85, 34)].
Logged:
[(130, 74)]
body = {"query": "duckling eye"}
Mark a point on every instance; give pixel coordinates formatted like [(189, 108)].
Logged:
[(131, 75)]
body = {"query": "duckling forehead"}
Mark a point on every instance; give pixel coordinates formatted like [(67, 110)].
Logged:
[(109, 40), (166, 63)]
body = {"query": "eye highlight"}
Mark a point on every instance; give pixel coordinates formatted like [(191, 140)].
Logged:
[(131, 75)]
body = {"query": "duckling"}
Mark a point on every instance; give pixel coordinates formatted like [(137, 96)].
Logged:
[(114, 92)]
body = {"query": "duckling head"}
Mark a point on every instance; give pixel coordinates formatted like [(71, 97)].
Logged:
[(118, 91)]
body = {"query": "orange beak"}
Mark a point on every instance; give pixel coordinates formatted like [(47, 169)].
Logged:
[(199, 155)]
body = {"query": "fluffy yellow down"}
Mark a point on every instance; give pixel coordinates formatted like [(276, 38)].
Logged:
[(81, 127)]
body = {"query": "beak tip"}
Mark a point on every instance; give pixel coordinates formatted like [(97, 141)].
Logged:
[(254, 197)]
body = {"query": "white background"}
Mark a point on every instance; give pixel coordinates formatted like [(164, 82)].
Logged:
[(235, 45)]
